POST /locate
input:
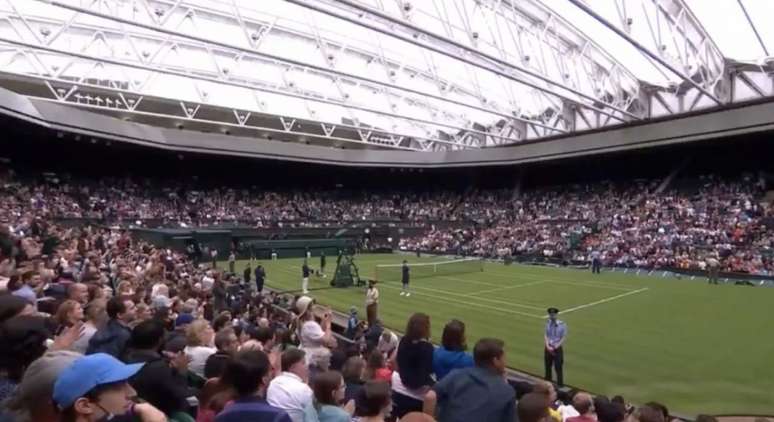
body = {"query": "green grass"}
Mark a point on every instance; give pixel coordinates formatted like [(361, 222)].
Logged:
[(695, 347)]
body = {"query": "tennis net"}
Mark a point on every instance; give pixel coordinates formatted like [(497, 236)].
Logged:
[(394, 272)]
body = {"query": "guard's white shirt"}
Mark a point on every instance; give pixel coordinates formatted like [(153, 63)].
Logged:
[(289, 393)]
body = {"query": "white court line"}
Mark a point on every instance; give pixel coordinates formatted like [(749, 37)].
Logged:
[(466, 303), (413, 288), (483, 283), (599, 302), (571, 283), (507, 288)]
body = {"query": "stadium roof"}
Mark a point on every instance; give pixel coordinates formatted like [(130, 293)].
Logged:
[(425, 75)]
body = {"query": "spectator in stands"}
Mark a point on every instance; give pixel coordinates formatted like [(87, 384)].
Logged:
[(388, 343), (31, 283), (31, 401), (248, 375), (353, 373), (94, 388), (78, 292), (11, 306), (112, 338), (583, 403), (546, 390), (329, 390), (160, 382), (373, 403), (200, 337), (23, 338), (289, 390), (377, 369), (227, 344), (610, 411), (532, 408), (315, 333), (451, 355), (565, 409), (647, 413), (414, 359), (475, 393), (68, 314)]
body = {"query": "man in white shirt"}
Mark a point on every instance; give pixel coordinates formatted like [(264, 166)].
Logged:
[(289, 390)]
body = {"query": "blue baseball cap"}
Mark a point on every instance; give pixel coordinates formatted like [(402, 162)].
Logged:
[(87, 373)]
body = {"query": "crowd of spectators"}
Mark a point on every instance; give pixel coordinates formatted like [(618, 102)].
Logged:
[(96, 325)]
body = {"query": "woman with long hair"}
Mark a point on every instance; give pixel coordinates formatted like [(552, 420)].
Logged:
[(451, 355), (329, 389), (414, 366), (377, 368), (68, 314)]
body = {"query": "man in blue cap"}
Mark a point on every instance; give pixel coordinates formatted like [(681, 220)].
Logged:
[(95, 388)]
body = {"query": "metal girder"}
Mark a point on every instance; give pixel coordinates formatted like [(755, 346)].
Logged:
[(354, 80), (752, 26), (470, 56), (678, 42)]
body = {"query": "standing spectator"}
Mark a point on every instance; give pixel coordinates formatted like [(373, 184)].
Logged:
[(412, 378), (260, 278), (112, 338), (214, 257), (31, 401), (159, 382), (556, 333), (232, 263), (248, 374), (373, 404), (227, 343), (78, 292), (388, 343), (477, 393), (96, 317), (305, 278), (289, 390), (372, 302), (316, 337), (29, 290), (596, 264), (95, 387), (199, 339), (68, 314), (329, 390), (583, 403), (451, 355)]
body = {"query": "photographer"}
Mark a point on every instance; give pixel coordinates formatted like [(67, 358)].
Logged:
[(314, 332)]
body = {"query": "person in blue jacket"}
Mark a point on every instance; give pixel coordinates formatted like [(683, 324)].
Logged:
[(451, 355)]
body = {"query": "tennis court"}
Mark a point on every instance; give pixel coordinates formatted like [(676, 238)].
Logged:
[(697, 347)]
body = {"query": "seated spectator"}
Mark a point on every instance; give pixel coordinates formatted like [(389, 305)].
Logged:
[(96, 387), (78, 292), (29, 288), (31, 401), (582, 402), (373, 403), (199, 339), (377, 369), (289, 390), (565, 408), (227, 344), (548, 392), (247, 374), (11, 306), (647, 414), (329, 389), (451, 355), (610, 412), (477, 393), (24, 340), (113, 337), (414, 359), (159, 382), (353, 372), (532, 408)]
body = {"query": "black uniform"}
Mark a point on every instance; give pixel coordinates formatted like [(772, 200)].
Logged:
[(247, 274), (405, 277), (322, 263), (260, 276)]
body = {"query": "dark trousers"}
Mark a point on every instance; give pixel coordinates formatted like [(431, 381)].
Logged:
[(403, 405), (372, 313), (259, 286), (555, 360), (595, 266)]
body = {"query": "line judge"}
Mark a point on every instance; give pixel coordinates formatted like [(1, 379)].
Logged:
[(556, 332)]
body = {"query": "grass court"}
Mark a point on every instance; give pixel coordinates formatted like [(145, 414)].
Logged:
[(695, 347)]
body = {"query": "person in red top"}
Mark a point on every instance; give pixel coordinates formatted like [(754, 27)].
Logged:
[(377, 369), (582, 402)]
